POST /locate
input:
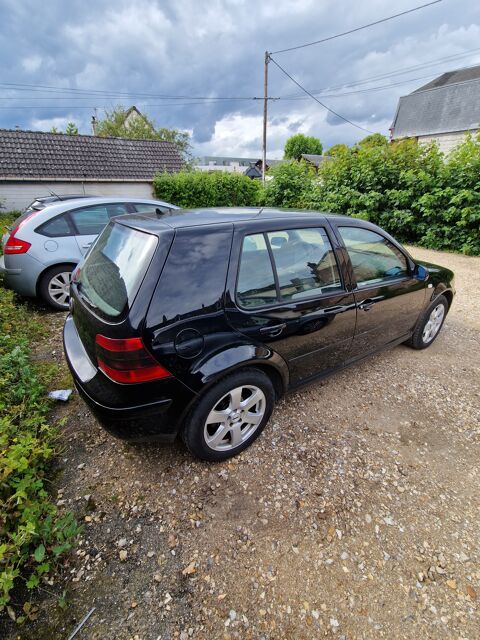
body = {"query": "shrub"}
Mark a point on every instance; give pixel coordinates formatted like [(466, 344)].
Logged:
[(410, 190), (201, 189), (290, 186), (33, 534)]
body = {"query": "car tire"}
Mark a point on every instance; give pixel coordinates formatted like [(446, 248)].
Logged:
[(53, 286), (239, 422), (429, 325)]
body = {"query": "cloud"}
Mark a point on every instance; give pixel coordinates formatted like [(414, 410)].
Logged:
[(156, 48)]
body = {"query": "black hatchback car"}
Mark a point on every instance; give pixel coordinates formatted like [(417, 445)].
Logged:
[(196, 322)]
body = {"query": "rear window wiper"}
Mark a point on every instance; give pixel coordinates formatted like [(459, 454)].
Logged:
[(84, 296)]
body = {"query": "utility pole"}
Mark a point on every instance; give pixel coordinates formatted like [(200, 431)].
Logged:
[(265, 111)]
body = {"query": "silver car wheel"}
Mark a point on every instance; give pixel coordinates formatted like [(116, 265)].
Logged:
[(59, 288), (235, 418), (433, 324)]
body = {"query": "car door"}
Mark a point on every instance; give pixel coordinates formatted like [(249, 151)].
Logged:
[(388, 296), (290, 294), (90, 221)]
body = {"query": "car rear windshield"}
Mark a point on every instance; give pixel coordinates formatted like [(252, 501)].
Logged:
[(113, 270)]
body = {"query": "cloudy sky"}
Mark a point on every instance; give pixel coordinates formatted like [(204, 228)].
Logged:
[(61, 60)]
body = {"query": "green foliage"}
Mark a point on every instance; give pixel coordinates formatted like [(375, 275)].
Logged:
[(412, 191), (337, 149), (71, 129), (33, 534), (7, 218), (115, 124), (201, 189), (290, 185), (299, 143), (373, 140)]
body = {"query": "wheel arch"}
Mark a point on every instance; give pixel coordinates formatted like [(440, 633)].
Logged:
[(43, 273)]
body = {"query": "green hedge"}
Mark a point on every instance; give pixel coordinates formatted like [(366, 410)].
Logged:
[(200, 189), (413, 191)]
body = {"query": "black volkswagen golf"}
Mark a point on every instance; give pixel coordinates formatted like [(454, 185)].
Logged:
[(196, 322)]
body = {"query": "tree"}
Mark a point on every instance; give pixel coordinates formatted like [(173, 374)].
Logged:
[(373, 140), (299, 143), (337, 149), (118, 124), (71, 129)]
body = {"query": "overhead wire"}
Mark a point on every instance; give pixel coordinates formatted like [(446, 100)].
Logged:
[(365, 26), (354, 124)]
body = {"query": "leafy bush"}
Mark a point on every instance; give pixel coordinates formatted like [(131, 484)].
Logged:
[(291, 185), (200, 189), (33, 534), (411, 190)]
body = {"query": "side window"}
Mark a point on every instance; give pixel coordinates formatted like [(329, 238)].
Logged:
[(256, 283), (91, 221), (373, 257), (305, 263), (55, 228)]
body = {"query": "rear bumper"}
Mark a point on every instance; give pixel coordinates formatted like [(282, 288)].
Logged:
[(21, 273), (138, 413)]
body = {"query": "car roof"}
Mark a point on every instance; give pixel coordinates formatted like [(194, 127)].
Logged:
[(202, 217), (60, 207)]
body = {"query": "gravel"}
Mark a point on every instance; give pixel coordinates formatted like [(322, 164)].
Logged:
[(355, 515)]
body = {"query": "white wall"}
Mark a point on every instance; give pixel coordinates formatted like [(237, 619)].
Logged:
[(446, 141), (17, 195)]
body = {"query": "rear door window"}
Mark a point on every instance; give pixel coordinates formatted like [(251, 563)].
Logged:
[(305, 263), (90, 221), (286, 265), (112, 272)]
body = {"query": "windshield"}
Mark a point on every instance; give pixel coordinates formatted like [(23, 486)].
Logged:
[(114, 268)]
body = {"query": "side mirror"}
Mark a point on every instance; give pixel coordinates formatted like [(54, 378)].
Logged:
[(421, 272)]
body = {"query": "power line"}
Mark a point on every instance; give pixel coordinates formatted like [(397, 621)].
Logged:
[(316, 99), (104, 93), (365, 26), (393, 73)]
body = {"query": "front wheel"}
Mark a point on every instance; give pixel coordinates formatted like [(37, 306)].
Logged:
[(429, 325), (230, 415)]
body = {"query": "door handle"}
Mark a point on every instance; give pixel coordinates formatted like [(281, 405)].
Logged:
[(274, 331), (367, 304), (87, 246)]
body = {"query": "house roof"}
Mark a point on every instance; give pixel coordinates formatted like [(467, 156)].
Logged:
[(35, 155), (452, 77), (443, 106), (315, 159)]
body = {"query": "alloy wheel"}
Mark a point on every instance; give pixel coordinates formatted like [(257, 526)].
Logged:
[(235, 418), (59, 288), (433, 324)]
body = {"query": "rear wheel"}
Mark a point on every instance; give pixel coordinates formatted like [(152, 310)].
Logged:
[(230, 415), (429, 325), (54, 286)]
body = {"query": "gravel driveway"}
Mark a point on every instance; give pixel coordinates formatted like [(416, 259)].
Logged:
[(355, 515)]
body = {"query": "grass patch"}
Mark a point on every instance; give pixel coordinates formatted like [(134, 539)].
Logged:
[(34, 534)]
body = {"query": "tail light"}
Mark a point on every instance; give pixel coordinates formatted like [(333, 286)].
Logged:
[(127, 360), (15, 245)]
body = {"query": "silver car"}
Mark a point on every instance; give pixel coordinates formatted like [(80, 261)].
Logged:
[(42, 248)]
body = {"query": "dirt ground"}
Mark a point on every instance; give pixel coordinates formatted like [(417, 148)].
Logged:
[(355, 515)]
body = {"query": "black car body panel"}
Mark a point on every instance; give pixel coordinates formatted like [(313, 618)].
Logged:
[(189, 317)]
